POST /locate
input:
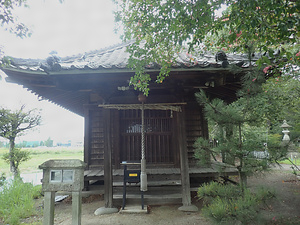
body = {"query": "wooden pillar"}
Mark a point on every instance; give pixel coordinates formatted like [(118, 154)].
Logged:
[(86, 142), (108, 178), (116, 139), (86, 135), (184, 164)]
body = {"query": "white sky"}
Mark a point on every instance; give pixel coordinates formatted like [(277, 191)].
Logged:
[(73, 27)]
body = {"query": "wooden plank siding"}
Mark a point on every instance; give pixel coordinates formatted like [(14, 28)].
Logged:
[(196, 126), (96, 139)]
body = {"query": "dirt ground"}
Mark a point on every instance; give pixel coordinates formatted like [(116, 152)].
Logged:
[(284, 209)]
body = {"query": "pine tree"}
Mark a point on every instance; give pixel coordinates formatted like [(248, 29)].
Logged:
[(238, 128)]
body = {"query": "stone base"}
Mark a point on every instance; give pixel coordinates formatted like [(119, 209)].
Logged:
[(103, 210), (134, 209), (188, 208)]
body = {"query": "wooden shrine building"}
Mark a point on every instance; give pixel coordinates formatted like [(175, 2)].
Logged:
[(96, 86)]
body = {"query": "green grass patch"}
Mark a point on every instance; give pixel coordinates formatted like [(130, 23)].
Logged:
[(288, 162), (18, 197), (40, 155), (19, 201)]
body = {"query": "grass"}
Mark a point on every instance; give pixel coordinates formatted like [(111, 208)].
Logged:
[(288, 162), (18, 196), (19, 201), (40, 155)]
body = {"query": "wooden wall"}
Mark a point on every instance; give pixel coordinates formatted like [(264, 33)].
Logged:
[(196, 126)]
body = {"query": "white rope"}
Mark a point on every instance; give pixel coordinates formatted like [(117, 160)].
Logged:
[(143, 132)]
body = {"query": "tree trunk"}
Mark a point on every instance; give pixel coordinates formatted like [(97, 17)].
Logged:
[(243, 179), (13, 168), (242, 174)]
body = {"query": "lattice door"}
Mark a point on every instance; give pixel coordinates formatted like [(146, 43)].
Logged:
[(158, 136)]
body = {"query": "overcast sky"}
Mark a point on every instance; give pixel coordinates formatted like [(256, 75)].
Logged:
[(73, 27)]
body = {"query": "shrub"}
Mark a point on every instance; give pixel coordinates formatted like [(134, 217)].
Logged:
[(227, 204), (19, 201), (208, 192), (2, 179)]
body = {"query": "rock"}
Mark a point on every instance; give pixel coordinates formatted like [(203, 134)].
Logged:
[(188, 208), (103, 210)]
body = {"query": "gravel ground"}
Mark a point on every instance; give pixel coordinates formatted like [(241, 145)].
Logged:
[(284, 209)]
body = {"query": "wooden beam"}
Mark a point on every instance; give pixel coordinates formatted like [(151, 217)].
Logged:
[(108, 177), (157, 106)]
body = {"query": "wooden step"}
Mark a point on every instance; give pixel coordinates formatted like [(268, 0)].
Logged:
[(149, 199), (154, 196)]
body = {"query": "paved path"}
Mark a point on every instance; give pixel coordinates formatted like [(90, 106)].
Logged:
[(282, 167)]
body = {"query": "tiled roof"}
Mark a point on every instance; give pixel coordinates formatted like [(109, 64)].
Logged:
[(116, 57), (73, 78)]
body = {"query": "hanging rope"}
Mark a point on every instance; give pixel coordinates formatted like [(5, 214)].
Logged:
[(143, 132), (144, 185)]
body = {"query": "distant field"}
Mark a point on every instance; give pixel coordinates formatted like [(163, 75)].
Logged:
[(40, 155)]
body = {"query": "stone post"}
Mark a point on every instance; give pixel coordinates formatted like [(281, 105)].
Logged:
[(49, 208), (76, 208)]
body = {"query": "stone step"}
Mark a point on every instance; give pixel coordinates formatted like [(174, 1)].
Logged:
[(133, 209)]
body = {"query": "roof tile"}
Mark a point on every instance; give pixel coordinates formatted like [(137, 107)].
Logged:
[(117, 57)]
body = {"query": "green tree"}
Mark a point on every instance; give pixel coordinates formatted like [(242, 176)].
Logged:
[(48, 142), (10, 23), (240, 137), (15, 158), (282, 102), (14, 124), (160, 29), (9, 20), (242, 127)]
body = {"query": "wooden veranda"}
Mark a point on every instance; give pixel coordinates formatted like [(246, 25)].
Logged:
[(164, 184), (215, 170)]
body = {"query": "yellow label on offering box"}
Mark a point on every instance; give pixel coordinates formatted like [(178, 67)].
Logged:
[(133, 174)]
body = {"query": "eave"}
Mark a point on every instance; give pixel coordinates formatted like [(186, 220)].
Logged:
[(73, 81)]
